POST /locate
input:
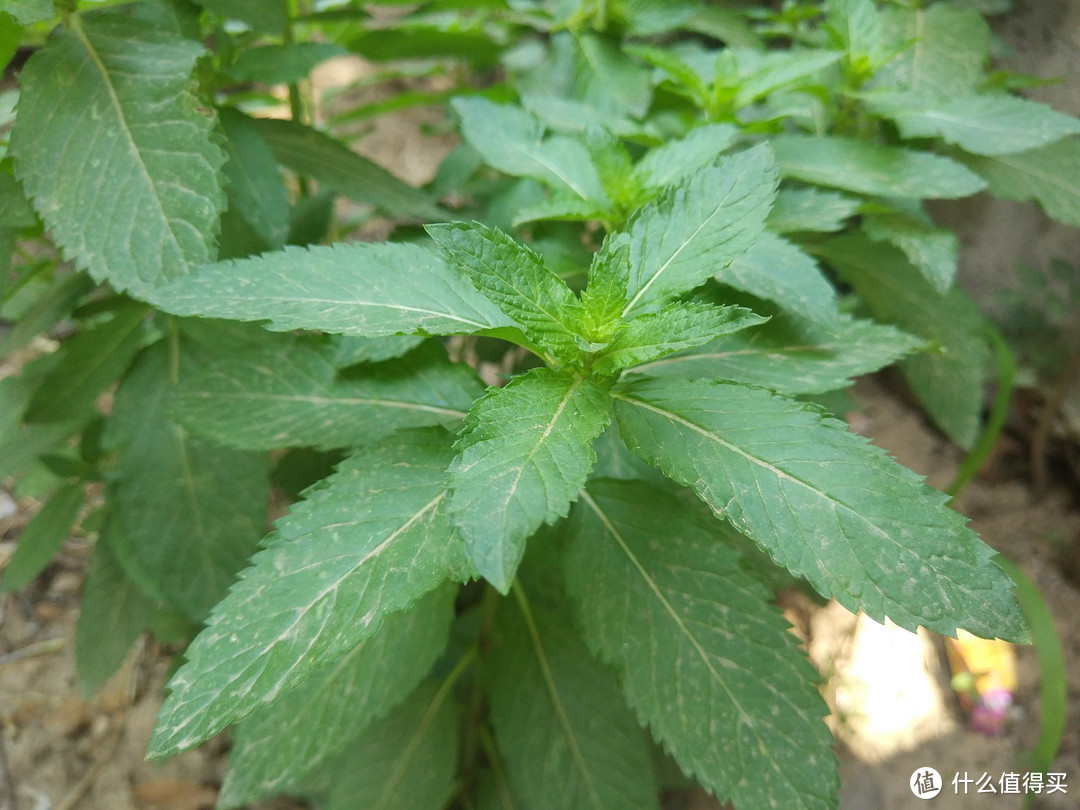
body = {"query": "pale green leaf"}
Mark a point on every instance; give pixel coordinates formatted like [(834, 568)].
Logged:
[(364, 289), (609, 80), (114, 153), (810, 209), (514, 277), (676, 327), (367, 542), (281, 745), (407, 761), (869, 168), (28, 12), (949, 379), (1050, 176), (776, 270), (89, 363), (762, 72), (190, 513), (511, 140), (823, 503), (559, 209), (674, 159), (333, 165), (693, 231), (281, 64), (291, 396), (43, 536), (55, 303), (259, 14), (858, 25), (112, 616), (792, 355), (935, 251), (979, 124), (524, 454), (566, 739), (948, 52), (256, 185), (706, 660)]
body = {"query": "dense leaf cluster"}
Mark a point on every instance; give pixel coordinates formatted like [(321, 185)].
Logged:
[(509, 595)]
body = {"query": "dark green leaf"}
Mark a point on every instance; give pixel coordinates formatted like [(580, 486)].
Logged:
[(524, 454), (43, 536), (706, 661), (869, 168), (367, 542), (1050, 176), (349, 350), (261, 15), (255, 182), (112, 196), (823, 503), (281, 64)]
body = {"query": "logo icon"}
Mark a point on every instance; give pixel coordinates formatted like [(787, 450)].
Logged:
[(925, 783)]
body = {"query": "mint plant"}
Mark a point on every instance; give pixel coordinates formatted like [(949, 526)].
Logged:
[(522, 593)]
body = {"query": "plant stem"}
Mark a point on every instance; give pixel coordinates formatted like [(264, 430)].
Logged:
[(297, 106)]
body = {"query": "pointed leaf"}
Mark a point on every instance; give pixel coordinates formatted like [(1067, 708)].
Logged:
[(333, 165), (609, 80), (114, 153), (778, 271), (260, 15), (933, 250), (282, 745), (858, 24), (793, 355), (261, 197), (949, 380), (604, 297), (762, 72), (43, 536), (566, 738), (695, 230), (113, 614), (524, 454), (189, 512), (676, 327), (982, 125), (810, 209), (868, 168), (511, 140), (514, 278), (673, 160), (292, 396), (367, 542), (407, 761), (365, 289), (706, 661), (823, 503), (1050, 176), (948, 52)]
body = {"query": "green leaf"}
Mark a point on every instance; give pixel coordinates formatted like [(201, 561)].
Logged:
[(135, 197), (43, 536), (90, 362), (858, 25), (281, 64), (190, 512), (25, 444), (762, 72), (706, 661), (259, 14), (949, 49), (776, 270), (674, 159), (28, 12), (868, 168), (676, 327), (511, 140), (348, 350), (948, 381), (693, 231), (15, 211), (291, 396), (524, 454), (364, 289), (55, 303), (559, 209), (604, 296), (823, 503), (982, 125), (933, 250), (333, 165), (255, 181), (367, 542), (791, 354), (810, 209), (566, 738), (1048, 176), (113, 614), (514, 278), (607, 79), (406, 761), (282, 745)]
